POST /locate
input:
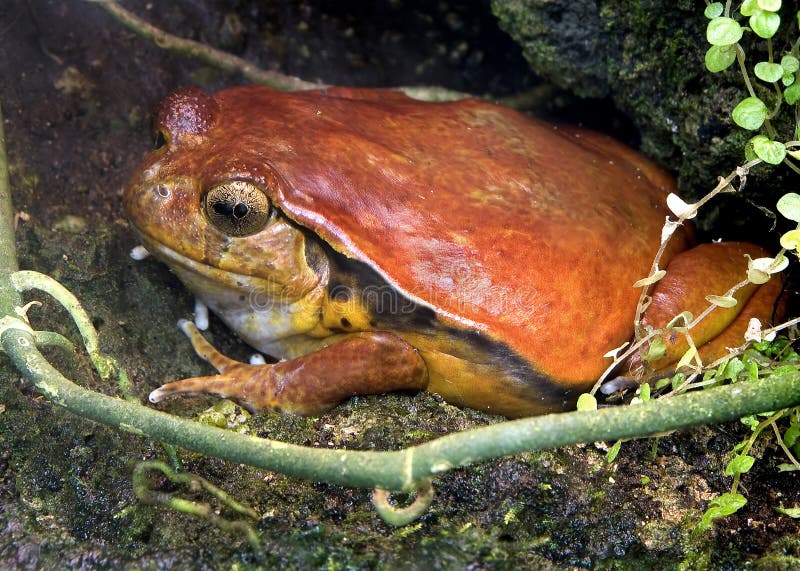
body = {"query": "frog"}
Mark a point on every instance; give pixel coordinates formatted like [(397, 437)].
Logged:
[(370, 242)]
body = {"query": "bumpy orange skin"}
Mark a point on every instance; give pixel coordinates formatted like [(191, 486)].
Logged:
[(527, 234)]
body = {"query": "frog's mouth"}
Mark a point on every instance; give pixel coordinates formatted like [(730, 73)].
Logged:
[(204, 279), (267, 315)]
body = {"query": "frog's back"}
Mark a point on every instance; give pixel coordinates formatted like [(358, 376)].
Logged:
[(499, 223)]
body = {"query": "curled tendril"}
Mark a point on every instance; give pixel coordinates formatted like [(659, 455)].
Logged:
[(150, 496), (396, 516)]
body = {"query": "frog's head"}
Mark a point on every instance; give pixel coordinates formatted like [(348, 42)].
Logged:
[(202, 202)]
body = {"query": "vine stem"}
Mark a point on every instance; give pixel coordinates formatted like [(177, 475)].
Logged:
[(8, 253), (143, 491), (752, 440), (740, 55), (785, 448), (402, 470), (10, 299), (207, 54), (254, 74)]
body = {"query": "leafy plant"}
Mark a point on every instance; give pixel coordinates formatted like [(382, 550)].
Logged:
[(760, 357), (756, 111)]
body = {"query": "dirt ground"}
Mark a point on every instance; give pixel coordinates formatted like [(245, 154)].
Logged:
[(77, 93)]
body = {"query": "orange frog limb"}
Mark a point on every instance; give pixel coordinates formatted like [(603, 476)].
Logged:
[(358, 364), (695, 273)]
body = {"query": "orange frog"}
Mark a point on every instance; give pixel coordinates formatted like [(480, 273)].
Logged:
[(374, 243)]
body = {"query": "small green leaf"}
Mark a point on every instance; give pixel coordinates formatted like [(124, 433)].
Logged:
[(783, 370), (611, 455), (787, 467), (768, 265), (662, 383), (714, 10), (769, 72), (789, 206), (791, 512), (791, 435), (752, 371), (756, 276), (725, 301), (791, 240), (770, 5), (682, 319), (729, 502), (687, 357), (787, 79), (677, 380), (718, 373), (721, 506), (789, 63), (719, 58), (740, 464), (587, 402), (644, 392), (764, 23), (749, 7), (772, 152), (792, 93), (723, 31), (651, 279), (731, 370), (750, 113), (656, 349), (749, 153), (752, 423)]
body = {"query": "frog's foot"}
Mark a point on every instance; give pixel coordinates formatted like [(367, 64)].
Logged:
[(361, 363), (703, 270)]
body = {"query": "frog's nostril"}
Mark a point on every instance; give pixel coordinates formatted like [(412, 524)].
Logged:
[(161, 190)]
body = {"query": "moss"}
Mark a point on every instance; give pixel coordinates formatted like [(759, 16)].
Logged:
[(647, 57)]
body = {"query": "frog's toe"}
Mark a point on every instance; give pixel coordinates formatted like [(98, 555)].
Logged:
[(225, 386), (200, 315), (139, 253), (195, 385)]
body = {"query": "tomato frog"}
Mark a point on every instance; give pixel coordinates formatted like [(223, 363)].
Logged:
[(372, 242)]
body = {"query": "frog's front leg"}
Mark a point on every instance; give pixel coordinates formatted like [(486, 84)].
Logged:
[(358, 364)]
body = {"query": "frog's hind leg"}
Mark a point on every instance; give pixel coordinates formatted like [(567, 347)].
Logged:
[(709, 269), (359, 363)]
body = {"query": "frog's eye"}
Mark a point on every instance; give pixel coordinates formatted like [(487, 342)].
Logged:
[(237, 208)]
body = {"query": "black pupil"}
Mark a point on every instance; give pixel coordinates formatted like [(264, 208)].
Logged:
[(240, 210), (236, 209)]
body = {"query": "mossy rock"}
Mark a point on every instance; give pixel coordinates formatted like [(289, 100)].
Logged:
[(648, 59)]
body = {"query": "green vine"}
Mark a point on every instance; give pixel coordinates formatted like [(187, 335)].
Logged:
[(143, 491)]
